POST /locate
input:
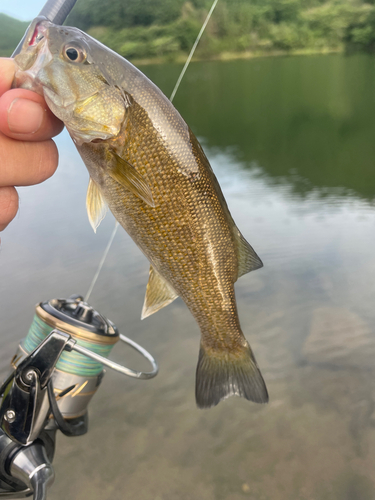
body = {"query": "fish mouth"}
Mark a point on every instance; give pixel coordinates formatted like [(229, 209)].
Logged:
[(34, 57), (38, 34), (33, 63), (43, 58)]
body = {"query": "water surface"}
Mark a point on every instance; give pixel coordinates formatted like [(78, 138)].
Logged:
[(291, 141)]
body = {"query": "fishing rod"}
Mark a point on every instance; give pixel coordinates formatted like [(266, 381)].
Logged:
[(62, 357), (55, 11)]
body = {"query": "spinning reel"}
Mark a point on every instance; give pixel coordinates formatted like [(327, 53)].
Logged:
[(56, 371)]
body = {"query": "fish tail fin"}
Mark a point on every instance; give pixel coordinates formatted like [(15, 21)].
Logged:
[(221, 374)]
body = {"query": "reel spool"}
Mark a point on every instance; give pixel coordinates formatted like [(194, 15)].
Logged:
[(75, 374)]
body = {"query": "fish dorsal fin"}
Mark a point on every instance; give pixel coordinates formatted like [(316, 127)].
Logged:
[(159, 294), (125, 174), (95, 204), (248, 260)]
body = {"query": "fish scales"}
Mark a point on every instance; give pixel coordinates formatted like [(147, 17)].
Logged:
[(157, 229), (147, 165)]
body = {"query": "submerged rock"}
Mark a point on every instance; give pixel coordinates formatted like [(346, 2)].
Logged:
[(339, 337)]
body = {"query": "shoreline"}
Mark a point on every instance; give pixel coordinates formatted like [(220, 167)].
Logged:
[(231, 56)]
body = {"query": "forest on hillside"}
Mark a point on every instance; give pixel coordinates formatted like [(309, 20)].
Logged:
[(11, 32), (166, 29)]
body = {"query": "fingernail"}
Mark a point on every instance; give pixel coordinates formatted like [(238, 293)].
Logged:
[(25, 116)]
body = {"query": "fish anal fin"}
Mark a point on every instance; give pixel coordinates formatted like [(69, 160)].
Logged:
[(221, 374), (159, 294), (248, 260), (95, 204), (125, 174)]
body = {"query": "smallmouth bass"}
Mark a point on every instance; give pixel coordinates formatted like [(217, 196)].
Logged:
[(146, 165)]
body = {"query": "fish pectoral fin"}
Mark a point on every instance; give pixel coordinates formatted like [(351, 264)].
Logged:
[(125, 174), (95, 204), (248, 260), (159, 294)]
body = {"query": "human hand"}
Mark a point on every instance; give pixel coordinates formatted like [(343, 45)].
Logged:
[(27, 153)]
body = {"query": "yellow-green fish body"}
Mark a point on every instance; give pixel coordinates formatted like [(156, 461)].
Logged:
[(148, 167)]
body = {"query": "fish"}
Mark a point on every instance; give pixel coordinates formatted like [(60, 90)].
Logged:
[(148, 168)]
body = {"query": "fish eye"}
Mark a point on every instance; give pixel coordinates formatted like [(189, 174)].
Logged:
[(74, 53)]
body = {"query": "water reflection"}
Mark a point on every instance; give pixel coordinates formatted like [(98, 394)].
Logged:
[(309, 120), (291, 141)]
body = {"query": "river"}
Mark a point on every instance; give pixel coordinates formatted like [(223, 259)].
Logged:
[(291, 140)]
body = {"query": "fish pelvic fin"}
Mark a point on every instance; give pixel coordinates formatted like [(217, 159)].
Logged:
[(159, 294), (221, 374), (95, 204), (248, 260)]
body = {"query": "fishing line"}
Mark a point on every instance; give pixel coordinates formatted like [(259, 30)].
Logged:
[(193, 50), (171, 99), (69, 362), (102, 261)]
